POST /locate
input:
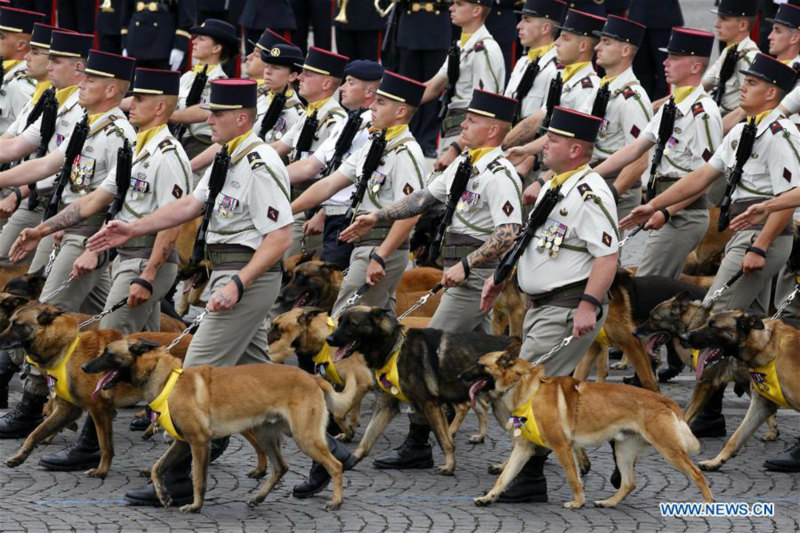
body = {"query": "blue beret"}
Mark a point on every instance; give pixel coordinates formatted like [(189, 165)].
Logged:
[(364, 70)]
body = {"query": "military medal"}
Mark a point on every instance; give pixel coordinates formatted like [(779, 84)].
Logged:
[(376, 181)]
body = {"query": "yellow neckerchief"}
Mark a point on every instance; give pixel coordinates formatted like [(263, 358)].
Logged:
[(477, 153), (289, 94), (536, 53), (608, 79), (8, 64), (62, 95), (93, 118), (732, 45), (768, 386), (760, 116), (393, 132), (315, 106), (235, 143), (464, 38), (388, 378), (681, 93), (524, 423), (324, 363), (602, 338), (561, 178), (161, 404), (144, 136), (39, 90), (571, 70), (58, 373), (695, 355), (198, 68)]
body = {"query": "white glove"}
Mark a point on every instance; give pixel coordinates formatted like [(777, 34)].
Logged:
[(176, 59), (125, 52)]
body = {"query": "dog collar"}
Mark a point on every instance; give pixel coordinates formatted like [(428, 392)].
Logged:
[(323, 363), (523, 423), (602, 338), (765, 382), (160, 406), (695, 356), (387, 377), (57, 375)]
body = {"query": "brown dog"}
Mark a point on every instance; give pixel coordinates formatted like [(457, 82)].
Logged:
[(208, 403), (571, 414), (47, 335)]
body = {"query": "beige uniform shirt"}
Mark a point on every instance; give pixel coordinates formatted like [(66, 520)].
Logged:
[(577, 89), (328, 116), (324, 154), (215, 73), (773, 167), (481, 67), (695, 136), (398, 175), (730, 100), (255, 198), (586, 221), (492, 196), (17, 90), (537, 96), (292, 110), (160, 174)]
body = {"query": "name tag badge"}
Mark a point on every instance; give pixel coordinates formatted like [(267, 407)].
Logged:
[(227, 206)]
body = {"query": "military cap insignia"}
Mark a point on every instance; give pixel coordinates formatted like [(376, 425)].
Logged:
[(177, 192), (697, 109), (628, 92), (635, 131), (606, 239), (408, 189), (275, 52), (787, 174), (775, 127), (255, 160), (707, 155), (508, 208), (166, 145), (586, 83), (272, 214)]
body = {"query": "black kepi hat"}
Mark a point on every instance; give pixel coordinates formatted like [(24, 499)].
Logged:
[(787, 15), (622, 29), (70, 43), (233, 93), (325, 62), (546, 9), (267, 40), (581, 23), (401, 89), (689, 42), (772, 71), (156, 81), (574, 124), (42, 34), (287, 55), (737, 8), (492, 105), (108, 65), (219, 30), (13, 20)]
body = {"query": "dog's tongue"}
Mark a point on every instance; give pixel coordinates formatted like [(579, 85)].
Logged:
[(652, 343), (300, 301), (701, 361), (475, 389), (106, 379), (341, 351)]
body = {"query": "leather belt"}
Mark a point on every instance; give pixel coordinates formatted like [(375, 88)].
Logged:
[(665, 182), (566, 296)]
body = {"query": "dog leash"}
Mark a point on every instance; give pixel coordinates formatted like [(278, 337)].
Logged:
[(196, 322), (58, 289), (717, 293), (635, 230), (105, 312), (51, 259), (353, 299), (786, 302), (422, 301), (554, 349)]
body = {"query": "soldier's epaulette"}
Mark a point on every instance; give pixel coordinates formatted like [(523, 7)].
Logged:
[(255, 161), (586, 83), (628, 92), (166, 145), (775, 127), (585, 190), (495, 166), (697, 108), (479, 46)]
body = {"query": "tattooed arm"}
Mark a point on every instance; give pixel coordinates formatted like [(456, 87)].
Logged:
[(412, 205), (525, 131), (75, 212), (495, 246)]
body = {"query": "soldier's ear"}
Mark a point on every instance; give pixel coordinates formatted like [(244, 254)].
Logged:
[(46, 316)]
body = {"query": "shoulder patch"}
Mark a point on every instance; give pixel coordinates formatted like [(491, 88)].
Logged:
[(166, 145), (586, 83), (254, 158), (479, 46), (628, 93), (584, 189), (775, 127), (494, 166), (697, 108), (177, 192)]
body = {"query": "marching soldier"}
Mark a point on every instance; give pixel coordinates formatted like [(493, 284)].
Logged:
[(248, 232), (696, 132), (281, 68), (16, 88), (487, 219), (156, 32), (537, 29), (480, 66), (567, 268), (359, 36), (216, 43), (785, 28), (322, 74)]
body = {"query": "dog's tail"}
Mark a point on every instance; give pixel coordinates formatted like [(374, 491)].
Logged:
[(339, 403), (690, 442)]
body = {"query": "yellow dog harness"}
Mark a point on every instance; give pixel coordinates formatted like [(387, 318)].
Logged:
[(323, 363), (524, 423), (388, 378), (57, 375), (765, 381), (160, 406)]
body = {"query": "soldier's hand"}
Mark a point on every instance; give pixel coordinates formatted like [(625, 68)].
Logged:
[(27, 242), (137, 294), (176, 59), (8, 205), (453, 276), (518, 154), (489, 294), (58, 237), (360, 227), (752, 216), (656, 222), (444, 160), (584, 320), (315, 225), (85, 263), (224, 299), (531, 193), (375, 273), (637, 216), (114, 234), (752, 262)]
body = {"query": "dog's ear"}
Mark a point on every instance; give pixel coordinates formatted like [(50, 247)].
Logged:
[(46, 316), (511, 354), (306, 317), (747, 322), (376, 314), (142, 346), (329, 268), (11, 303)]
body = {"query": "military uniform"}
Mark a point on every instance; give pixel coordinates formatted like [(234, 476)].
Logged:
[(359, 37), (151, 30), (109, 26), (747, 50), (258, 15), (16, 88), (316, 14), (502, 24), (199, 134), (276, 52), (536, 97), (659, 18)]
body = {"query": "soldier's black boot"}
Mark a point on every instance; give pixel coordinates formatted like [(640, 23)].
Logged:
[(674, 367), (24, 418), (82, 454), (7, 371), (415, 452), (710, 422), (318, 477), (141, 423), (530, 484), (788, 461)]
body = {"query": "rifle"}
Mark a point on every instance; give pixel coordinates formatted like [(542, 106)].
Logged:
[(193, 98), (215, 183), (664, 134), (725, 72), (537, 218), (306, 136), (743, 152), (47, 107), (457, 188), (553, 100), (371, 162), (453, 72), (79, 134), (601, 102), (273, 113), (524, 87), (345, 140), (2, 72), (122, 178), (389, 54)]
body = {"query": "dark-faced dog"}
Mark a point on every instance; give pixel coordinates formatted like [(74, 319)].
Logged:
[(208, 403), (313, 284), (419, 365), (770, 350)]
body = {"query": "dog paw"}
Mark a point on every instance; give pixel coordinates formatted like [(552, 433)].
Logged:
[(166, 500), (332, 506), (96, 472), (619, 366), (709, 466), (446, 470), (344, 437), (14, 461), (190, 508), (573, 505), (770, 436), (496, 468), (254, 501), (604, 503), (483, 501), (477, 439), (257, 473)]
